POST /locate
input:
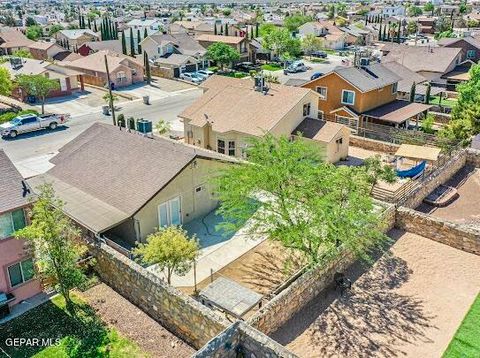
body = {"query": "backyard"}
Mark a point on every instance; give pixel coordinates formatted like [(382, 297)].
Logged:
[(409, 303)]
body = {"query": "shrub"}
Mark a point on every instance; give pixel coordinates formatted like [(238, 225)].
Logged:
[(7, 117)]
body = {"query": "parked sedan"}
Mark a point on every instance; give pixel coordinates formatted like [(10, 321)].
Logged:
[(204, 74), (319, 54), (191, 76), (316, 75)]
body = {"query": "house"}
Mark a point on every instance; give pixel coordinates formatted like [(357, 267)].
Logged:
[(193, 27), (16, 266), (179, 52), (358, 36), (430, 62), (231, 111), (149, 24), (94, 46), (45, 50), (426, 25), (238, 43), (76, 38), (142, 184), (396, 10), (354, 95), (333, 37), (470, 47), (69, 80), (124, 70), (12, 40)]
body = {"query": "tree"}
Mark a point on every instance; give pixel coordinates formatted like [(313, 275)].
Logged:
[(145, 33), (331, 11), (124, 44), (139, 47), (293, 22), (264, 29), (54, 29), (132, 44), (170, 249), (34, 32), (106, 97), (222, 54), (414, 11), (56, 244), (287, 194), (163, 127), (30, 22), (38, 86), (148, 72), (411, 27), (22, 53), (311, 43), (281, 43), (376, 170), (6, 84), (429, 7), (427, 124), (427, 93), (412, 92), (226, 29)]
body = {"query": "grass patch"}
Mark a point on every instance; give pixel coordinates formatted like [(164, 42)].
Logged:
[(84, 336), (272, 67), (445, 102), (318, 60), (466, 342), (234, 74)]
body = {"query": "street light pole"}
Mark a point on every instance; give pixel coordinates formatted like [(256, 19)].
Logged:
[(112, 107)]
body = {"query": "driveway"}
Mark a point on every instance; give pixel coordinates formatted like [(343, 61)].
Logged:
[(331, 62), (159, 88), (409, 304)]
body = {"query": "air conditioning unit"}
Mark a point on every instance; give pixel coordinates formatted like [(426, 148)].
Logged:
[(364, 61)]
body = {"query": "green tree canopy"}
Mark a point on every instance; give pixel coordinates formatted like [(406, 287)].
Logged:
[(265, 28), (56, 244), (311, 43), (22, 53), (34, 32), (293, 22), (38, 86), (280, 42), (171, 249), (6, 84), (54, 29), (222, 54), (288, 194)]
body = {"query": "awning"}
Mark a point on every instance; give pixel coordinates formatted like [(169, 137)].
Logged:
[(397, 111), (418, 152)]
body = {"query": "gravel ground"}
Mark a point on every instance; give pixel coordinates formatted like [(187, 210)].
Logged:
[(465, 209), (134, 324), (409, 304)]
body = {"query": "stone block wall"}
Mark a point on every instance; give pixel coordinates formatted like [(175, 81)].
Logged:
[(458, 236), (179, 313), (372, 144), (434, 179), (473, 157), (241, 338)]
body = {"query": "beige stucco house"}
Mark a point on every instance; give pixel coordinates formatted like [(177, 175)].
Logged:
[(123, 186), (231, 111)]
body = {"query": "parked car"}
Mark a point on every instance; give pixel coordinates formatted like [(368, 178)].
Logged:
[(204, 73), (319, 54), (191, 76), (32, 122), (316, 75), (297, 66), (245, 67)]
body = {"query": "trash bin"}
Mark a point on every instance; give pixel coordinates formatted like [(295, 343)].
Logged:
[(146, 99), (106, 110)]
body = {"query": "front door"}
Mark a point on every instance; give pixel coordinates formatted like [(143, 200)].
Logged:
[(170, 213)]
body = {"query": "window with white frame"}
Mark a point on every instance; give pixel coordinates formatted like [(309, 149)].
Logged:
[(221, 146), (231, 148), (306, 109), (348, 97), (121, 76), (321, 114), (471, 54), (395, 88), (11, 222), (322, 91), (348, 121), (21, 272), (169, 212)]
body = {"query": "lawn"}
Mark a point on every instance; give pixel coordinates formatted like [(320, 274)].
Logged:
[(445, 102), (466, 342), (272, 67), (84, 336)]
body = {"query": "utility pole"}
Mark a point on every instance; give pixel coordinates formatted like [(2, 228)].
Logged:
[(112, 107)]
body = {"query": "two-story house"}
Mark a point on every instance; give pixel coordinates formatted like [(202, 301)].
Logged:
[(333, 37), (12, 40), (232, 111), (76, 38), (149, 24), (17, 281), (238, 43), (470, 46), (355, 95)]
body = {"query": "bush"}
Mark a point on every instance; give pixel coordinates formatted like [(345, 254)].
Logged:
[(7, 117), (239, 75)]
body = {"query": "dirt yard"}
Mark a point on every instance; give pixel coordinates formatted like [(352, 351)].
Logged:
[(465, 209), (134, 324), (409, 304)]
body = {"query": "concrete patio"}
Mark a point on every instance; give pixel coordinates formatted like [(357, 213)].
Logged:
[(409, 304)]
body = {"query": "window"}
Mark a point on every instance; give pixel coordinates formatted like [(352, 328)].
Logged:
[(198, 189), (471, 54), (322, 91), (221, 146), (348, 97), (348, 121), (231, 148), (169, 213), (121, 76), (11, 222), (306, 109), (320, 114), (339, 143), (21, 272), (394, 88)]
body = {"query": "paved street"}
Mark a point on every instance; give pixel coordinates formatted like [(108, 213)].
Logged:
[(30, 152)]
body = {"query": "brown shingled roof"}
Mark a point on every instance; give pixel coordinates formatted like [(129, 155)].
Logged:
[(11, 190)]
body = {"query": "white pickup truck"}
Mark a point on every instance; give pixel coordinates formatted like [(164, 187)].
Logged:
[(32, 122)]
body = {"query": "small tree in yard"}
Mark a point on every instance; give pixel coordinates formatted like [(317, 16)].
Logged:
[(6, 84), (38, 86), (222, 54), (55, 243), (163, 127), (311, 43), (288, 194), (170, 249), (106, 97), (376, 170)]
